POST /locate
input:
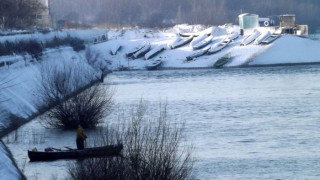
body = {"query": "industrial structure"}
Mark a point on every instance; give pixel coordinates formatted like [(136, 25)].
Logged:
[(287, 24)]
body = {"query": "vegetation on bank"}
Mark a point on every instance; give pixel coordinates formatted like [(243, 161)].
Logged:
[(35, 47), (60, 86), (153, 149)]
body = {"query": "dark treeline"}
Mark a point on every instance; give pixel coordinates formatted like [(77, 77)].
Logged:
[(19, 13), (160, 13)]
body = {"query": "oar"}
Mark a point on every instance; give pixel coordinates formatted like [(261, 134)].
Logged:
[(56, 149), (69, 148)]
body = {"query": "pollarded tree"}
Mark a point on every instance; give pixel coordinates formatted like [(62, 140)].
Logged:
[(64, 86)]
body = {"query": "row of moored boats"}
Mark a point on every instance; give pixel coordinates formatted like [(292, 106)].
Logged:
[(203, 44)]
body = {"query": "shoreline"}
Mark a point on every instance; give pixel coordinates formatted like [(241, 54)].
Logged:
[(233, 67)]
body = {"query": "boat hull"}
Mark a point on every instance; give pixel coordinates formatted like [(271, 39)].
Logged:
[(105, 151), (181, 42), (154, 65)]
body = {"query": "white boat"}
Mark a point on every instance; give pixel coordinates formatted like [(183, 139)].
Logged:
[(198, 53), (142, 51), (198, 39), (219, 46), (249, 39), (180, 41), (233, 36), (154, 52), (136, 49), (203, 43), (262, 37)]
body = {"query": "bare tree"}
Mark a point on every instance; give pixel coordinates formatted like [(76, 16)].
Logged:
[(153, 149), (65, 87)]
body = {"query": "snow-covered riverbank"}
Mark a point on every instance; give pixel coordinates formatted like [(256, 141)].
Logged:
[(20, 83), (287, 49)]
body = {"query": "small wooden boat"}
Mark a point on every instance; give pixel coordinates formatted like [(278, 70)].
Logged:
[(222, 61), (154, 65), (203, 43), (105, 151), (153, 52), (142, 51), (179, 42), (198, 53), (219, 46)]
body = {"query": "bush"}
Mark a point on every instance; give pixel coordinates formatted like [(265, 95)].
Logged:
[(9, 47), (87, 108), (34, 48), (152, 150), (65, 87), (77, 44)]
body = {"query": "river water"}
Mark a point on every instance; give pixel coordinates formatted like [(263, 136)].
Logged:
[(245, 123)]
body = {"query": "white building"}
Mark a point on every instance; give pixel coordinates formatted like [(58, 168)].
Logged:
[(43, 18)]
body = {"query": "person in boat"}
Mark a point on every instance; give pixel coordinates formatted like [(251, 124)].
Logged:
[(81, 137)]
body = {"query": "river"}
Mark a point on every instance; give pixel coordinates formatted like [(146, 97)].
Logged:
[(245, 123)]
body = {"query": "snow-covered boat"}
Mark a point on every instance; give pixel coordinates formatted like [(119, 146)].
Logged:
[(222, 61), (114, 50), (198, 39), (219, 46), (233, 36), (270, 39), (158, 49), (54, 154), (142, 51), (203, 43), (198, 53), (180, 41), (189, 34), (262, 37), (136, 49), (153, 65), (249, 39)]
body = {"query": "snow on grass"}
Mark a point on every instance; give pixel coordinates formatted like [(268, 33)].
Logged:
[(7, 169)]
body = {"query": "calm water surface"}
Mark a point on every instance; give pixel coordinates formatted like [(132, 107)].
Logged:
[(245, 123)]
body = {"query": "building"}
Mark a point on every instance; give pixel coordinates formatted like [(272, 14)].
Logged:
[(248, 21), (288, 25), (43, 18)]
